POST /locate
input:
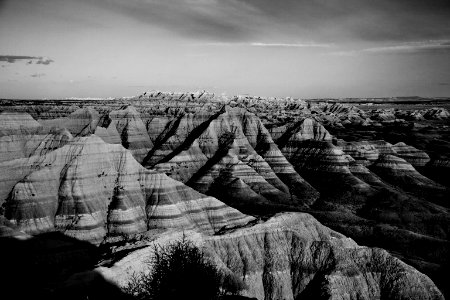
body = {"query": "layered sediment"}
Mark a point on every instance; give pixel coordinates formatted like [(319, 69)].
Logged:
[(91, 190), (129, 169), (414, 156)]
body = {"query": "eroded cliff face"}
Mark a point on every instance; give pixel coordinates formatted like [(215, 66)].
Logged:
[(292, 256), (304, 259), (228, 149), (92, 190), (230, 155)]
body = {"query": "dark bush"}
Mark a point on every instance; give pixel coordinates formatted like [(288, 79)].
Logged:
[(181, 271)]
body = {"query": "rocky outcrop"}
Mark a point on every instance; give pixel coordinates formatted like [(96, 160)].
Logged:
[(16, 121), (307, 260), (399, 172), (132, 131), (21, 136), (383, 147), (362, 151), (414, 156), (23, 142), (229, 155), (436, 113), (82, 122), (307, 129), (264, 145), (292, 256), (317, 156), (383, 115), (308, 146)]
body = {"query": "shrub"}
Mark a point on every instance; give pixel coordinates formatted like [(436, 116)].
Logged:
[(181, 271)]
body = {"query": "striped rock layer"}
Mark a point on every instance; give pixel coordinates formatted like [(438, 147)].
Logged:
[(383, 147), (132, 131), (306, 129), (230, 155), (399, 172), (15, 121), (319, 161), (79, 123), (362, 151), (412, 155), (92, 190), (22, 142), (21, 136), (226, 153), (123, 126)]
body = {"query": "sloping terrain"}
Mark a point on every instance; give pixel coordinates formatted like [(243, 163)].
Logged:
[(292, 256), (91, 190), (128, 169)]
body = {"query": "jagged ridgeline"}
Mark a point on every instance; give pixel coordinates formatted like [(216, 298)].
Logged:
[(142, 170)]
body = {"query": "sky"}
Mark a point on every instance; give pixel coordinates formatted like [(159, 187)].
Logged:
[(297, 48)]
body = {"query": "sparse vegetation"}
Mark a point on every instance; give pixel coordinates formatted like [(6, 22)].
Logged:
[(181, 270)]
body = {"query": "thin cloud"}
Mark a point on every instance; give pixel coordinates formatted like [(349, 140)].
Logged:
[(209, 19), (39, 60), (380, 21), (413, 47), (439, 46), (373, 21), (344, 53), (273, 45), (295, 45)]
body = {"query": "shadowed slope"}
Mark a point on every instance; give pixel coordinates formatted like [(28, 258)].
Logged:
[(91, 190), (400, 173), (229, 154), (132, 131)]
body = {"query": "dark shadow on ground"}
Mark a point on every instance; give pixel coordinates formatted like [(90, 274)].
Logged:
[(39, 268)]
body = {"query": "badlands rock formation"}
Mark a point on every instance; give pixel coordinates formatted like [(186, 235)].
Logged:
[(91, 190), (123, 172), (230, 155), (363, 152), (80, 123), (412, 155), (21, 136), (399, 172), (305, 259), (292, 256)]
